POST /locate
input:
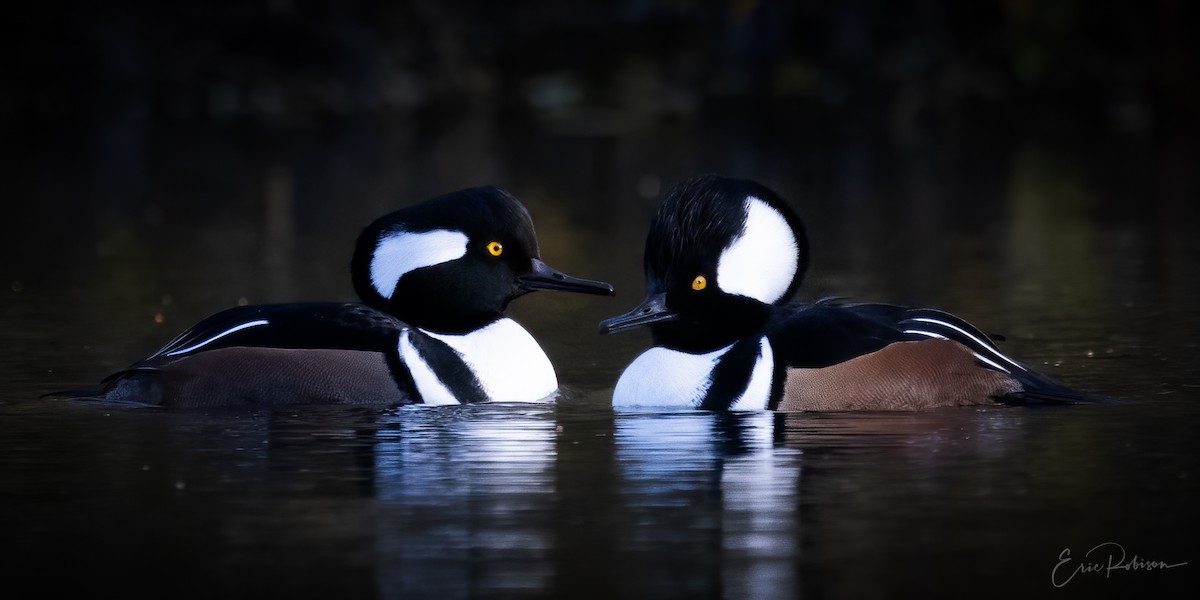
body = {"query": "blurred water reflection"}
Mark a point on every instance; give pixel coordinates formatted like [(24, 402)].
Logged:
[(458, 497), (673, 464)]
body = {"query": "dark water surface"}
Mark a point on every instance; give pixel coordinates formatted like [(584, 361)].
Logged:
[(1084, 255)]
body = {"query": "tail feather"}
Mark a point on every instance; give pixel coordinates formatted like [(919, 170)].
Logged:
[(1036, 388), (74, 394), (1039, 390), (140, 386)]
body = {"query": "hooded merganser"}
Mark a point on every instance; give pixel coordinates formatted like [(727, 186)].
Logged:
[(722, 259), (434, 279)]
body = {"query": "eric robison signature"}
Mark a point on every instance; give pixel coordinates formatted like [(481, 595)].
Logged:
[(1102, 558)]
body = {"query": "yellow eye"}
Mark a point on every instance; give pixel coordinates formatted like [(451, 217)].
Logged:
[(495, 248), (699, 283)]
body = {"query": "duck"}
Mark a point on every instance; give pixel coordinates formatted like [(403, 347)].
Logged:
[(434, 280), (723, 259)]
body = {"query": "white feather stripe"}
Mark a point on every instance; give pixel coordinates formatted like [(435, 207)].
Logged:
[(926, 333), (982, 344), (430, 388), (994, 364), (942, 337), (218, 336)]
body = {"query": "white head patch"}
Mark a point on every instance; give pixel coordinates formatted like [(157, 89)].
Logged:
[(399, 252), (760, 262)]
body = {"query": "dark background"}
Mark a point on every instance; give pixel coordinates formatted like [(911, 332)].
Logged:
[(1063, 65), (123, 88), (1029, 165)]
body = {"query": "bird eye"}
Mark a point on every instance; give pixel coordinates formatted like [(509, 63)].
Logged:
[(699, 283), (495, 248)]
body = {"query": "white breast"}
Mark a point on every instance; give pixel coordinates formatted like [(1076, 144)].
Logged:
[(508, 362), (666, 378)]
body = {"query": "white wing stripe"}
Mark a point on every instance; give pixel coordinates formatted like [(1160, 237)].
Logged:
[(980, 357), (926, 333), (942, 337), (175, 340), (219, 336), (981, 343)]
